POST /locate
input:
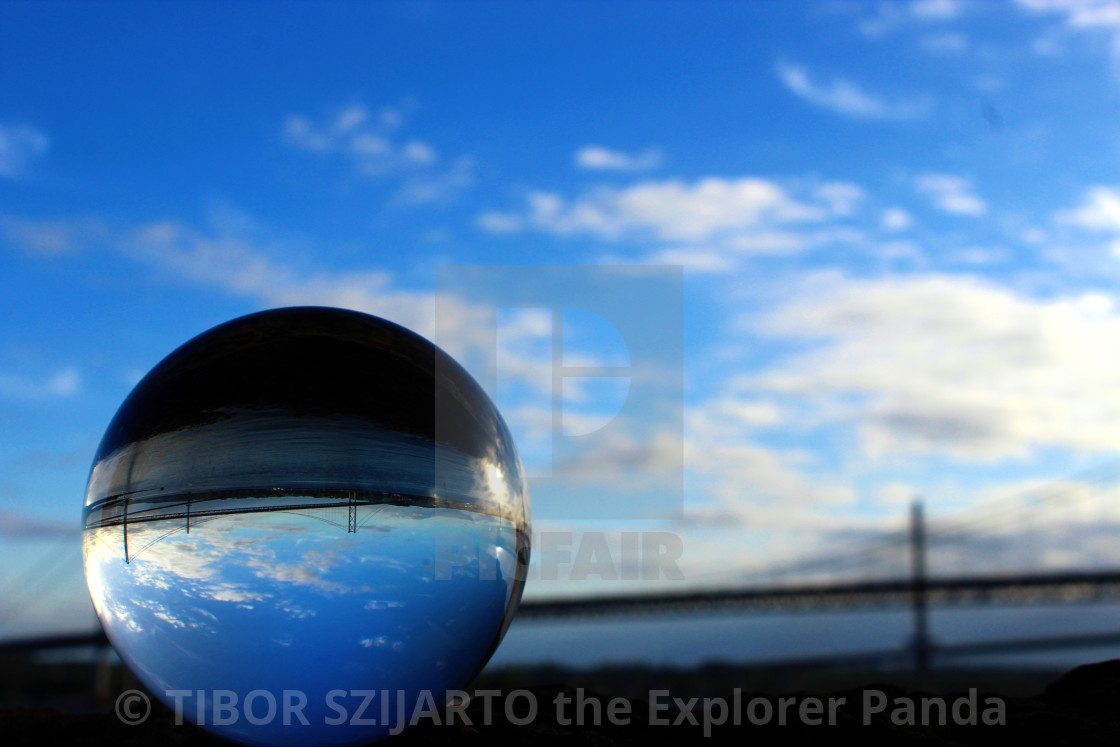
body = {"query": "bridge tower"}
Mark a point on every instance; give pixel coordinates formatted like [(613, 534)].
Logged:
[(920, 642), (124, 525)]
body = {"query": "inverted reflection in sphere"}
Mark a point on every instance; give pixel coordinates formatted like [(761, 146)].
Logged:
[(306, 500)]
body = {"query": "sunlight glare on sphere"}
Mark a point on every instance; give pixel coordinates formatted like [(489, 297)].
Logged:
[(312, 500)]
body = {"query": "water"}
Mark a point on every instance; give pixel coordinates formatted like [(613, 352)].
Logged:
[(756, 637)]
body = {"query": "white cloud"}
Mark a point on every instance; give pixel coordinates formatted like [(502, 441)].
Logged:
[(236, 266), (842, 198), (437, 186), (936, 10), (1048, 46), (371, 143), (1099, 210), (952, 194), (63, 383), (724, 253), (20, 145), (41, 237), (841, 96), (748, 478), (951, 365), (1080, 13), (223, 260), (978, 255), (673, 210), (900, 250), (599, 158), (239, 267), (744, 482), (1080, 16), (989, 83), (891, 15), (355, 132), (625, 461), (500, 222), (895, 494), (708, 225), (895, 219), (1097, 213), (730, 478), (693, 260), (51, 238), (419, 152), (947, 43), (1096, 303)]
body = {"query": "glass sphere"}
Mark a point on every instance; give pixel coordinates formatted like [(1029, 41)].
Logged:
[(303, 523)]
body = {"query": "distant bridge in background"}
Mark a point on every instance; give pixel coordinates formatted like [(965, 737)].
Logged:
[(1088, 586), (1076, 586), (890, 570)]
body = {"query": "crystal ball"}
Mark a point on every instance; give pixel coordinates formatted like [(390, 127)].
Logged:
[(304, 525)]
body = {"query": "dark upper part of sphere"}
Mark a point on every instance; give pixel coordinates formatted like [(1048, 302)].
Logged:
[(313, 361)]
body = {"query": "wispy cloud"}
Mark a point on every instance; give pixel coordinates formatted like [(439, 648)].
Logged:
[(705, 225), (1079, 16), (50, 237), (895, 219), (355, 130), (675, 210), (224, 259), (238, 266), (891, 15), (936, 10), (599, 158), (438, 185), (947, 43), (20, 145), (66, 382), (847, 99), (372, 143), (951, 194)]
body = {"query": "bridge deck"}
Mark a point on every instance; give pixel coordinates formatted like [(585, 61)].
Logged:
[(1058, 587)]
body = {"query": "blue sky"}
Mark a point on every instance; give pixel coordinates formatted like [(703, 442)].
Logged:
[(242, 591), (899, 227)]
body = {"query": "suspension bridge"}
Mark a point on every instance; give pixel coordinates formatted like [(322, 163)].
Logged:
[(1054, 544)]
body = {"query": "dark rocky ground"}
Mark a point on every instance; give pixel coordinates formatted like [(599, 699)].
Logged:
[(1081, 707)]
